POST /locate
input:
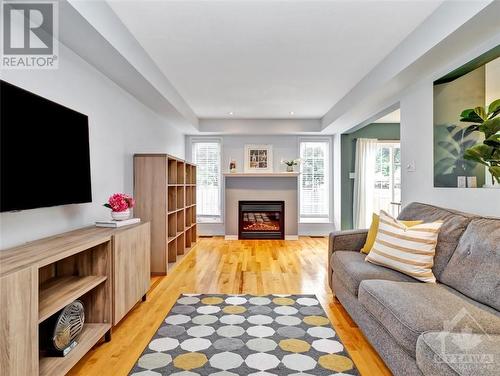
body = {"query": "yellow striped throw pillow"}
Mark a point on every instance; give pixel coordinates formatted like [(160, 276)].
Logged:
[(409, 250)]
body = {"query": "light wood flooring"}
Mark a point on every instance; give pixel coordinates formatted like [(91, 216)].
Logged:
[(218, 266)]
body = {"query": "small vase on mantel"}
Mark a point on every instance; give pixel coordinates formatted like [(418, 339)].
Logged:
[(289, 168)]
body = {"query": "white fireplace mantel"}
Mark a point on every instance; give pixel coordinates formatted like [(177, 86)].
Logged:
[(278, 186), (261, 175)]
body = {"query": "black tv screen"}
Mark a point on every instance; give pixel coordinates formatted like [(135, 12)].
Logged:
[(45, 159)]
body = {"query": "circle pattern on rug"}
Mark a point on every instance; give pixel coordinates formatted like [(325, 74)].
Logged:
[(228, 344), (171, 331), (288, 320), (234, 310), (211, 300), (261, 344), (232, 319), (204, 319), (294, 345), (190, 360), (283, 301), (260, 310), (259, 300), (231, 335), (337, 363), (316, 320)]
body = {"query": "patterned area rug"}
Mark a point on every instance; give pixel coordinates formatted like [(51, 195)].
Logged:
[(226, 335)]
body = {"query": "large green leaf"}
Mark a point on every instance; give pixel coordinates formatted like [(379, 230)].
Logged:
[(494, 108), (493, 141), (481, 112), (495, 172), (470, 116), (479, 153), (490, 127), (469, 155)]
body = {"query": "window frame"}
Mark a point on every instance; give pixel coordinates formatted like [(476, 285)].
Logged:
[(329, 175), (202, 218)]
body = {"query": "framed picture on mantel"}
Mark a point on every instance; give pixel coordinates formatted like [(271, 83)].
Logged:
[(258, 158)]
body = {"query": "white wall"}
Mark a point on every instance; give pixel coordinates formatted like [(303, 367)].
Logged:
[(417, 146), (284, 147), (119, 127)]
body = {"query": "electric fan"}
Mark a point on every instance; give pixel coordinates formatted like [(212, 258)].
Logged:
[(61, 331)]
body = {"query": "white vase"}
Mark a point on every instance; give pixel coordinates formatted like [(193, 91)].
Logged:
[(120, 216), (289, 168)]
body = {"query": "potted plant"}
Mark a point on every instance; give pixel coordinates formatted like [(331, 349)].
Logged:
[(290, 164), (486, 153), (120, 205)]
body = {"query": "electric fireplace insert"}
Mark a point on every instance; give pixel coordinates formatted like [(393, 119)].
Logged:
[(261, 220)]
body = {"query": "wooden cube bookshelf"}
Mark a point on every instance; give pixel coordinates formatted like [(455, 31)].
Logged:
[(165, 194)]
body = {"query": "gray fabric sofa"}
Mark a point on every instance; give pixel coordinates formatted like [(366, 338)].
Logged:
[(448, 328)]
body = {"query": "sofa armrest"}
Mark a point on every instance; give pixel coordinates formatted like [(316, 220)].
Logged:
[(349, 240)]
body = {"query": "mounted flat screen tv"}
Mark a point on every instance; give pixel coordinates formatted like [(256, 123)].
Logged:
[(44, 151)]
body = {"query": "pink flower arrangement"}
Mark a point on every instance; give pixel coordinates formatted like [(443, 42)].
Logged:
[(119, 202)]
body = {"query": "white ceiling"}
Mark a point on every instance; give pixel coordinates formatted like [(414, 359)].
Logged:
[(265, 59)]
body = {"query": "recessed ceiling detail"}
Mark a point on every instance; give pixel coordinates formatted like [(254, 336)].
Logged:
[(260, 59)]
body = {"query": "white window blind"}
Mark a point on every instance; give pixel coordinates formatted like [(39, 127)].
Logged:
[(207, 156), (314, 181)]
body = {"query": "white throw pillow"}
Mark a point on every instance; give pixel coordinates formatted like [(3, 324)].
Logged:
[(409, 250)]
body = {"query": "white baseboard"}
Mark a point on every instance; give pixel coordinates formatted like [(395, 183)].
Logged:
[(231, 237)]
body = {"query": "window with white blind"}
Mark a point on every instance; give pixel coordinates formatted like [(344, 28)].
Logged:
[(314, 187), (207, 156)]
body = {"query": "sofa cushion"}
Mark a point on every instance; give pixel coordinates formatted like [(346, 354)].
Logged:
[(453, 227), (409, 250), (451, 354), (351, 268), (474, 268), (407, 310)]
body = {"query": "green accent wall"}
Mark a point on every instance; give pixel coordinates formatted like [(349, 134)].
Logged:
[(382, 131)]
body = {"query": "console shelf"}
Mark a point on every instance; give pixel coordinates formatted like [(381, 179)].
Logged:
[(106, 269), (55, 366), (58, 292)]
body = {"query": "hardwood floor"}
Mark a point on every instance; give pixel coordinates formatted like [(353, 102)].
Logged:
[(218, 266)]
